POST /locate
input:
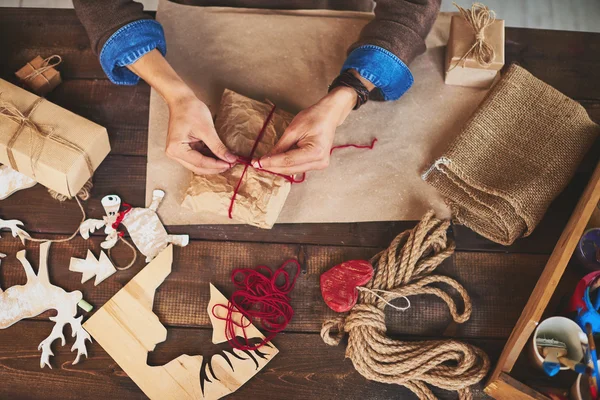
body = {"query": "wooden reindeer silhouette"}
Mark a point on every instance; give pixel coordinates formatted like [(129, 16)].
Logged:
[(127, 329), (39, 295)]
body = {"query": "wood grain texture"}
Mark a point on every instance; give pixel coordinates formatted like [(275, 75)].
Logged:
[(551, 276), (508, 388), (181, 301), (295, 373)]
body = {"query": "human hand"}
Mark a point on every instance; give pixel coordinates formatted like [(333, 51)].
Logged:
[(312, 131), (191, 128)]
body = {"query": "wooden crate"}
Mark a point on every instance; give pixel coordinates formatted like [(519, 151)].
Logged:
[(501, 384)]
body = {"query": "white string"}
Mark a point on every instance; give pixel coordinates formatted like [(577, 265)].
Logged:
[(372, 291), (436, 165)]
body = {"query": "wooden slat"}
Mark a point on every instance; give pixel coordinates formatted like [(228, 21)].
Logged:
[(306, 368), (181, 301), (567, 61), (126, 177), (544, 289), (508, 388), (26, 33)]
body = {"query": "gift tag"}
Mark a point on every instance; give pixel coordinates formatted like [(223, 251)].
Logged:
[(339, 284)]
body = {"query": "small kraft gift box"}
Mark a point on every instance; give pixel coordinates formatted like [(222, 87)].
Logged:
[(475, 51), (39, 74), (51, 145)]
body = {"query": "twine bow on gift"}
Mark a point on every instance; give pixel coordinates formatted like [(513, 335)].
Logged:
[(38, 135), (47, 65), (478, 17)]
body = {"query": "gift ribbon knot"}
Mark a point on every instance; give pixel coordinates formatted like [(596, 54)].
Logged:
[(38, 135), (479, 17), (47, 65)]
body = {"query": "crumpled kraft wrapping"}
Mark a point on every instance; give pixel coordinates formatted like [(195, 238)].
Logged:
[(290, 58), (55, 165), (261, 195)]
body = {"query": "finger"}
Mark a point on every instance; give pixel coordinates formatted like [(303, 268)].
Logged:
[(214, 143), (201, 171), (288, 159), (298, 169), (288, 139), (191, 156)]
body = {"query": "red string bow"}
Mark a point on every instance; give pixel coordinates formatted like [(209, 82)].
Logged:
[(247, 162), (120, 216)]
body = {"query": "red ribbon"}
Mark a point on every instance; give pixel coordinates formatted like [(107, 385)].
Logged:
[(247, 162), (259, 296), (120, 216)]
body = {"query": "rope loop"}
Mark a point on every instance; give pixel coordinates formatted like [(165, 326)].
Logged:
[(403, 270)]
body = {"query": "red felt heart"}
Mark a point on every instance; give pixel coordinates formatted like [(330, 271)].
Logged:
[(338, 285)]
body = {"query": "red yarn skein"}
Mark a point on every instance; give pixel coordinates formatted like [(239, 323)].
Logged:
[(259, 296)]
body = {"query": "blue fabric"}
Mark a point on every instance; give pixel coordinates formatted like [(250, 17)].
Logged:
[(127, 45), (382, 68)]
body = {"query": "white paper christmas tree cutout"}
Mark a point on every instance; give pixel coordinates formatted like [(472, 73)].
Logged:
[(102, 268)]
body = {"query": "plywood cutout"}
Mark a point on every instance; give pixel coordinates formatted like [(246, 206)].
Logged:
[(39, 295), (101, 268), (144, 226), (127, 329), (14, 226), (12, 181)]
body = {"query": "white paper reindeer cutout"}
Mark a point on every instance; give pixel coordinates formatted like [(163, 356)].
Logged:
[(12, 181), (13, 225), (144, 226), (39, 295), (101, 268)]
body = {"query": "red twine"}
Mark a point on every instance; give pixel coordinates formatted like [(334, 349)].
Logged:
[(120, 216), (290, 178), (258, 295)]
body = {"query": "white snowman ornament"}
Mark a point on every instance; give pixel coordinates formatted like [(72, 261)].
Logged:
[(145, 228)]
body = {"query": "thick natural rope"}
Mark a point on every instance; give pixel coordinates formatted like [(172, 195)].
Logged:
[(478, 17), (404, 269), (47, 65)]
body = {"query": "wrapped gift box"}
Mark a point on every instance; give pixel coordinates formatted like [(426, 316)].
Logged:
[(261, 195), (467, 71), (39, 75), (57, 148)]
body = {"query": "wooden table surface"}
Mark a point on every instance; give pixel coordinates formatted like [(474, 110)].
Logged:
[(499, 279)]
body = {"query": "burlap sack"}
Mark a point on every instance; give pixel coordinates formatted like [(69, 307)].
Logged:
[(516, 153), (261, 195)]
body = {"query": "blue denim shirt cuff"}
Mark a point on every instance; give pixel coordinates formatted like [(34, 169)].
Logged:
[(382, 68), (127, 45)]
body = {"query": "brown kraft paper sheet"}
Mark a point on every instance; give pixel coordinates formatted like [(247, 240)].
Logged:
[(290, 57)]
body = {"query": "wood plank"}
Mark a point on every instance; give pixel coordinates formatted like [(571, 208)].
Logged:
[(306, 368), (26, 33), (508, 388), (544, 289), (497, 297), (126, 176), (565, 60)]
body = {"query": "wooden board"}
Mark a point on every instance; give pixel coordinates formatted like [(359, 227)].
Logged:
[(549, 280), (500, 279), (128, 330)]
